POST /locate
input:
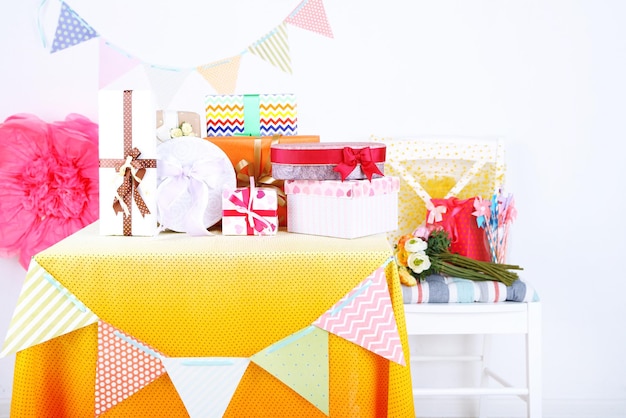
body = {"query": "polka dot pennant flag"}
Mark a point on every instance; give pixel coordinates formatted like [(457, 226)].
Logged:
[(310, 15), (222, 75), (301, 362), (365, 317), (206, 385), (45, 310), (124, 367), (71, 30)]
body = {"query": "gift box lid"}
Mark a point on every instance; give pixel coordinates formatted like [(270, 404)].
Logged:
[(349, 189), (325, 153)]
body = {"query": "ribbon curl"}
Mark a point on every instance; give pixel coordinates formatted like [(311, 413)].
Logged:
[(352, 157), (247, 171)]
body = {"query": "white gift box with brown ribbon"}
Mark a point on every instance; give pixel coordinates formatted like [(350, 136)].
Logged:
[(127, 152)]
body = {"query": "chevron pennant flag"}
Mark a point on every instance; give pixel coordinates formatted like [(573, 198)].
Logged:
[(274, 48), (45, 310), (113, 63), (71, 30), (277, 115), (206, 385), (301, 362), (118, 355), (365, 317), (310, 15), (222, 75)]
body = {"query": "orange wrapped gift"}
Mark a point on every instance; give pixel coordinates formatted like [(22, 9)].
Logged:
[(251, 157)]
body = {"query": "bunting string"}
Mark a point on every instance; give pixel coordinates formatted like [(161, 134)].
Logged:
[(364, 316), (221, 74)]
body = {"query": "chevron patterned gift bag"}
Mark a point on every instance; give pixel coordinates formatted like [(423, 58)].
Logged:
[(251, 115)]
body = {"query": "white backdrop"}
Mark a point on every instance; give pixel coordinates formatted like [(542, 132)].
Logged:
[(546, 75)]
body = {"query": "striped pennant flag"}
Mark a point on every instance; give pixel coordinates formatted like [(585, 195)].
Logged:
[(301, 362), (45, 310), (274, 48), (365, 317), (206, 384), (222, 75)]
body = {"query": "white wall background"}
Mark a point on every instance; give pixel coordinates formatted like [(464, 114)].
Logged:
[(547, 75)]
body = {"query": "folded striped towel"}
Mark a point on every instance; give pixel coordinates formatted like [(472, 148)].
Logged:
[(440, 289)]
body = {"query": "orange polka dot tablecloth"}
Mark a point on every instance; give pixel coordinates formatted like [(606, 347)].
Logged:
[(224, 298)]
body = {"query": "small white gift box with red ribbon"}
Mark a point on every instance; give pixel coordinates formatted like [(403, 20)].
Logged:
[(249, 211)]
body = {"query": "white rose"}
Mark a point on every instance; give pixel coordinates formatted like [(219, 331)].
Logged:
[(418, 262), (176, 132), (415, 245), (186, 128)]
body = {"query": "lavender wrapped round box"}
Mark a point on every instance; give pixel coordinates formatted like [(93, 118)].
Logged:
[(328, 161)]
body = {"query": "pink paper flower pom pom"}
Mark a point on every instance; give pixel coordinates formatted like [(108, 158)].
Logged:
[(48, 182)]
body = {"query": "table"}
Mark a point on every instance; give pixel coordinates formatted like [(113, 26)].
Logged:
[(219, 296)]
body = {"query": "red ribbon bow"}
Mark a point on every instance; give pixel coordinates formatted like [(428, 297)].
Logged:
[(352, 157)]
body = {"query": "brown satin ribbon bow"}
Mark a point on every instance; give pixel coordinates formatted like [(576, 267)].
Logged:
[(133, 171)]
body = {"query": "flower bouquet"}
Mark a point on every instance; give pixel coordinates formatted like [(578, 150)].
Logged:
[(426, 251)]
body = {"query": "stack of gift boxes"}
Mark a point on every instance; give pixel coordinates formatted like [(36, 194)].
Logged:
[(281, 179), (337, 189)]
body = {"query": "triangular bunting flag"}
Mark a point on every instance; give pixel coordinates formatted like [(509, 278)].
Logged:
[(113, 63), (165, 83), (274, 48), (124, 367), (301, 362), (310, 15), (45, 310), (365, 317), (222, 75), (71, 30), (206, 385)]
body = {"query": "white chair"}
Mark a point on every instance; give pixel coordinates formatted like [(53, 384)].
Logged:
[(462, 167), (483, 319)]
